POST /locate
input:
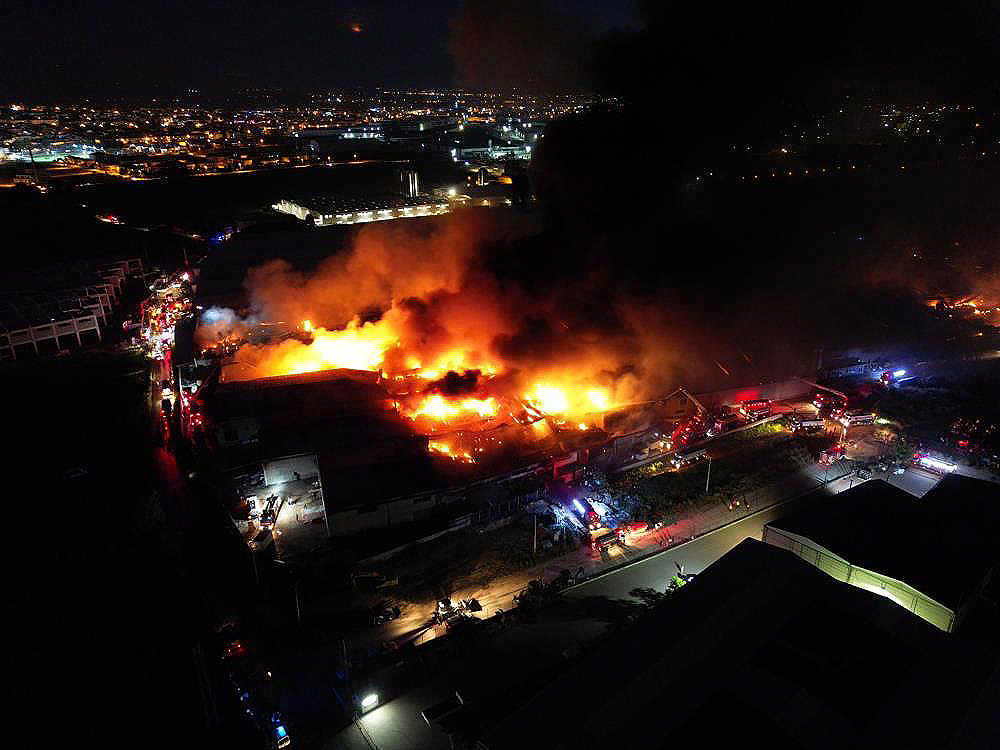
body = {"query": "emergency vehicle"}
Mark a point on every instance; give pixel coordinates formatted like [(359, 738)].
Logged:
[(684, 458), (587, 515), (853, 420), (806, 424), (725, 423), (756, 409), (607, 539), (829, 401)]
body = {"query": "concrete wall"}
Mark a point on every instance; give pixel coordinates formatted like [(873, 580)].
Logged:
[(836, 567), (283, 469), (792, 388), (237, 431), (377, 516)]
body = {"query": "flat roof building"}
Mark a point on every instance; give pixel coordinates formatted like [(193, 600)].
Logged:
[(327, 210), (58, 307)]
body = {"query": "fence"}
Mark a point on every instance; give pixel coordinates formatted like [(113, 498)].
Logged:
[(836, 567)]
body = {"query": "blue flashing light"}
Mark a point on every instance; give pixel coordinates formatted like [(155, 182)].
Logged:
[(898, 373), (579, 507), (279, 732)]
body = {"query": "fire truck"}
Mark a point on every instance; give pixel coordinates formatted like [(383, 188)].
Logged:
[(854, 420), (725, 423), (756, 408), (828, 457), (607, 539), (587, 515), (933, 464), (800, 423), (830, 403)]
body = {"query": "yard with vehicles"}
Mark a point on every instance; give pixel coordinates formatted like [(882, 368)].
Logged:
[(740, 464), (494, 562), (958, 419)]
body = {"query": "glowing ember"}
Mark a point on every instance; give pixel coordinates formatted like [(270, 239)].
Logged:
[(307, 326)]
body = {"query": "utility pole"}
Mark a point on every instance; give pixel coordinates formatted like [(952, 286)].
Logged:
[(709, 474), (298, 611), (534, 538), (253, 559)]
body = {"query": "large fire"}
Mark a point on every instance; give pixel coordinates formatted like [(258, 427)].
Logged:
[(442, 409), (456, 348), (356, 347), (460, 387)]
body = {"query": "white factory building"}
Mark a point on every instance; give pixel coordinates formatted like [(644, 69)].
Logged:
[(327, 210)]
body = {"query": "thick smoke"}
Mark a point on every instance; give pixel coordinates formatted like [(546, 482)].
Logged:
[(218, 322), (456, 384), (468, 301), (386, 262)]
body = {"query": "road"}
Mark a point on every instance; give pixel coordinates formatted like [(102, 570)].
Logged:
[(696, 555), (397, 725), (499, 593)]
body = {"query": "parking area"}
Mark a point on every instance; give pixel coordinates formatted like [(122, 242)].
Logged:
[(285, 496), (915, 481), (300, 522)]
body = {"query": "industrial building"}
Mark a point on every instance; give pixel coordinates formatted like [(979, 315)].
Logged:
[(53, 309), (931, 555), (338, 428), (371, 467), (327, 210)]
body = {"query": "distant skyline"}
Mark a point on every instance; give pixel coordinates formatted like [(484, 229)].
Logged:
[(59, 49)]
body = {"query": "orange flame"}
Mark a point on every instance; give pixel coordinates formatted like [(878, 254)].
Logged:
[(440, 408), (444, 449)]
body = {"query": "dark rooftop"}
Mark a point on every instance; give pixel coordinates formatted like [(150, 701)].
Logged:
[(762, 648), (943, 544), (366, 450)]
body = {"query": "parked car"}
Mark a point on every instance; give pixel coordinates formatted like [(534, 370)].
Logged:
[(382, 615)]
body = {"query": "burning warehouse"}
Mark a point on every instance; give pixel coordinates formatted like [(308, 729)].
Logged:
[(331, 438), (408, 371), (337, 451)]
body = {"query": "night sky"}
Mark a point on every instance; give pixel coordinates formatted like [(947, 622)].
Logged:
[(63, 48), (58, 48)]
